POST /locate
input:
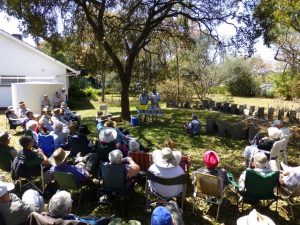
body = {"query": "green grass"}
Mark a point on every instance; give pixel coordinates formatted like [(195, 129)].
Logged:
[(152, 135)]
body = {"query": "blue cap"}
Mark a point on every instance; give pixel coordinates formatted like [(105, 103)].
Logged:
[(161, 216)]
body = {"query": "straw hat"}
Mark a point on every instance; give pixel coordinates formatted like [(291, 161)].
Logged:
[(166, 158), (58, 157), (110, 123), (108, 135), (254, 218), (56, 111), (211, 159), (5, 187)]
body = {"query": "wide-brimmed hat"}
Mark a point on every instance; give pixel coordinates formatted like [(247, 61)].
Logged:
[(261, 160), (56, 111), (254, 218), (58, 157), (166, 158), (211, 159), (83, 129), (5, 187), (161, 215), (110, 123), (107, 135)]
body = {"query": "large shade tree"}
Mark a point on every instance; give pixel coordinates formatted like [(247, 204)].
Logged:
[(125, 27)]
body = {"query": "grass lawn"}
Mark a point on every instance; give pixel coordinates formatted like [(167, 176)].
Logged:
[(152, 135)]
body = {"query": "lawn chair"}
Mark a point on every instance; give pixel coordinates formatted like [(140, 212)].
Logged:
[(144, 160), (257, 187), (164, 181), (288, 195), (11, 123), (209, 188), (67, 181), (46, 143), (114, 180)]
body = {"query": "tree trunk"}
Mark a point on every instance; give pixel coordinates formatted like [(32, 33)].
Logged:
[(125, 109), (103, 87)]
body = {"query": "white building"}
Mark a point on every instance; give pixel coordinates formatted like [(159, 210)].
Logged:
[(20, 62)]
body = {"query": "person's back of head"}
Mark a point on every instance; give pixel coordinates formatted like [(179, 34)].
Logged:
[(60, 205), (194, 117), (115, 157), (261, 161), (4, 138), (274, 133), (57, 127), (26, 142), (169, 143), (133, 145)]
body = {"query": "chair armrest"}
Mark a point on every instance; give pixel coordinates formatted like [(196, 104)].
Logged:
[(232, 180)]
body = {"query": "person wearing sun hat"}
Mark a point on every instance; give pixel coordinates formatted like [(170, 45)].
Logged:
[(211, 160), (106, 144), (254, 218), (15, 211), (59, 163), (166, 165)]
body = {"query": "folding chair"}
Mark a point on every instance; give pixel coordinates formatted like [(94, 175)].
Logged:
[(179, 180), (46, 143), (288, 195), (114, 180), (67, 181), (144, 160), (209, 188), (257, 187)]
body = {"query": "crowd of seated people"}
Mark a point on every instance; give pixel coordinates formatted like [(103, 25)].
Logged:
[(109, 150)]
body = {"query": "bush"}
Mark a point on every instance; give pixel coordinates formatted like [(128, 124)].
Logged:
[(91, 92)]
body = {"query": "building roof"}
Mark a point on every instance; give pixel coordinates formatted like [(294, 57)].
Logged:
[(28, 46)]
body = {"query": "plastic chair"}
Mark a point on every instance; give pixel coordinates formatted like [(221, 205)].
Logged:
[(164, 181), (114, 180), (46, 143), (257, 187), (209, 188), (275, 151), (67, 181)]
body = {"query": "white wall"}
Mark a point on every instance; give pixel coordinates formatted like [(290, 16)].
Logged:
[(31, 93), (5, 96), (16, 59)]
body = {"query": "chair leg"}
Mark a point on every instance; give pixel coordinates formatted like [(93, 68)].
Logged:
[(292, 212), (218, 211), (285, 157)]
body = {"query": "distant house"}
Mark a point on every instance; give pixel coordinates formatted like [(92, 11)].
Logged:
[(21, 62)]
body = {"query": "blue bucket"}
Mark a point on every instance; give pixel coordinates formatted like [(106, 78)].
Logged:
[(134, 121)]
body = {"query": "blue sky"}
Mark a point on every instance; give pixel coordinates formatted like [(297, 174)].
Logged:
[(267, 54)]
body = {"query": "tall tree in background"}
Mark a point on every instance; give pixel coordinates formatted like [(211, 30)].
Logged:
[(125, 27)]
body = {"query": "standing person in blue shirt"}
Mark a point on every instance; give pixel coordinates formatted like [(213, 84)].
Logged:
[(194, 126)]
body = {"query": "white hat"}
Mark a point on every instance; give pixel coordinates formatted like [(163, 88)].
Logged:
[(5, 187), (254, 218), (34, 200), (107, 135), (166, 158)]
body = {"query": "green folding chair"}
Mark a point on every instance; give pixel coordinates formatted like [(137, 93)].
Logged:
[(68, 182), (257, 187)]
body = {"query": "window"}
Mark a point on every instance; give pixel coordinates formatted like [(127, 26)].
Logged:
[(7, 80)]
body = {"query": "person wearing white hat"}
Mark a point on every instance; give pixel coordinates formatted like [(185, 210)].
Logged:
[(166, 165), (254, 218), (107, 137), (13, 210), (261, 165)]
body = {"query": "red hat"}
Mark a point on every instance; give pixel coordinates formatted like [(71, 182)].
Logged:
[(211, 159)]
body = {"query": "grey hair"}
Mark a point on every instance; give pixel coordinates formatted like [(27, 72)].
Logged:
[(134, 145), (57, 127), (60, 204), (274, 133), (31, 124), (115, 157)]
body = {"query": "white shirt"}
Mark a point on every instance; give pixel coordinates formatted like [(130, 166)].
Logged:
[(166, 190), (155, 98)]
